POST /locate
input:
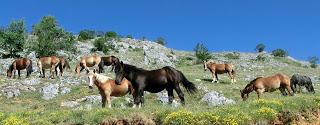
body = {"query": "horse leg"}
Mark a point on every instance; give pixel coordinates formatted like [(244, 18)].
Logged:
[(104, 99), (180, 94), (109, 100), (141, 98), (283, 91), (19, 74), (213, 77), (52, 72), (217, 79), (43, 73), (170, 95), (259, 92), (289, 90), (231, 77), (14, 73)]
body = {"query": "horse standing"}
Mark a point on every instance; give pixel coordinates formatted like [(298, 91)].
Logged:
[(216, 69), (268, 84), (153, 81), (109, 61), (89, 61), (108, 88), (20, 64), (301, 80), (52, 63)]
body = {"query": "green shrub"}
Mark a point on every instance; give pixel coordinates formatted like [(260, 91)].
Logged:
[(313, 61), (51, 37), (12, 38), (260, 47), (265, 113), (280, 53), (111, 34), (261, 57), (101, 44), (201, 52), (161, 41), (86, 34), (129, 36), (234, 55)]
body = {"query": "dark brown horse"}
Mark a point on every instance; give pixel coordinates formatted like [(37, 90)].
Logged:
[(89, 61), (216, 69), (268, 84), (153, 81), (109, 61), (52, 63), (20, 64), (108, 88)]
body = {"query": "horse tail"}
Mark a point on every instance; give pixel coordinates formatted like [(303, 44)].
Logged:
[(29, 68), (179, 77)]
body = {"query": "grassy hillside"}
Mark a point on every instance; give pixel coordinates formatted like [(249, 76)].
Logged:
[(30, 108)]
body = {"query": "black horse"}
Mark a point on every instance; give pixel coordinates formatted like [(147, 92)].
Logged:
[(301, 80), (153, 81)]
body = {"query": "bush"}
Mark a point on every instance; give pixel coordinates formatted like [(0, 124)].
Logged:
[(12, 38), (86, 34), (261, 57), (260, 47), (101, 44), (129, 36), (111, 34), (201, 52), (161, 41), (266, 113), (14, 120), (313, 61), (234, 55), (51, 37), (279, 53)]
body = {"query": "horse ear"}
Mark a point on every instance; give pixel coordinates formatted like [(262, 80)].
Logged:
[(121, 63), (94, 70)]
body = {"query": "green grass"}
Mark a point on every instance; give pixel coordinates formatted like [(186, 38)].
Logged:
[(31, 107)]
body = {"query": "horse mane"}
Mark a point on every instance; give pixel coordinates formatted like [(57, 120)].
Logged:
[(102, 78), (11, 67), (133, 68), (253, 81)]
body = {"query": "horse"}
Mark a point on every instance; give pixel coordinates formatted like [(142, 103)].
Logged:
[(108, 88), (153, 81), (89, 61), (20, 64), (63, 64), (109, 60), (52, 63), (301, 80), (267, 84), (216, 69)]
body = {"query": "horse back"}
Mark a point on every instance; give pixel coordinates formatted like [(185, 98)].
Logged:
[(21, 64), (119, 90)]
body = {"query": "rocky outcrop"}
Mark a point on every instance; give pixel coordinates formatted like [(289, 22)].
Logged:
[(216, 99)]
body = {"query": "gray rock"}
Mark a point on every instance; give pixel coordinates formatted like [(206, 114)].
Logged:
[(50, 91), (216, 99), (69, 104), (164, 99), (93, 99), (65, 90), (11, 92)]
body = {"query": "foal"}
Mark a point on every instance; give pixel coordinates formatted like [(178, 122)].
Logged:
[(216, 69), (108, 88)]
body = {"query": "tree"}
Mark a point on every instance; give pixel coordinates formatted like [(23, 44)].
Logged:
[(101, 44), (161, 41), (279, 53), (12, 38), (86, 34), (201, 52), (51, 37), (111, 34), (260, 47), (313, 61)]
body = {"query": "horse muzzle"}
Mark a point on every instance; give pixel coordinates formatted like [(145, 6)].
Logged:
[(90, 87)]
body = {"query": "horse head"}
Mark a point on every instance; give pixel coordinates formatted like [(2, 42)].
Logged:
[(309, 87), (119, 71), (9, 73), (205, 65), (91, 77)]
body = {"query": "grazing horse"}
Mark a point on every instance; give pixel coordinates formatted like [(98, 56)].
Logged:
[(267, 84), (153, 81), (20, 64), (49, 62), (109, 60), (301, 80), (108, 88), (216, 69), (89, 61)]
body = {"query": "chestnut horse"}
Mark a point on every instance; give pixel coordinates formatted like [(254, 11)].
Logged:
[(216, 69), (89, 61), (20, 64), (108, 88), (52, 63), (109, 61), (153, 81), (268, 84)]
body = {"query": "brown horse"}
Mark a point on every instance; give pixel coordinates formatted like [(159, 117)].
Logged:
[(109, 60), (20, 64), (108, 88), (89, 61), (216, 69), (268, 84), (52, 63)]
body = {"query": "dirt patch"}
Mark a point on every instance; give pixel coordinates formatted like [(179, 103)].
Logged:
[(303, 118), (138, 120)]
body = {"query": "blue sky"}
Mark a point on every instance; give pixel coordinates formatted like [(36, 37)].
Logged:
[(222, 25)]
